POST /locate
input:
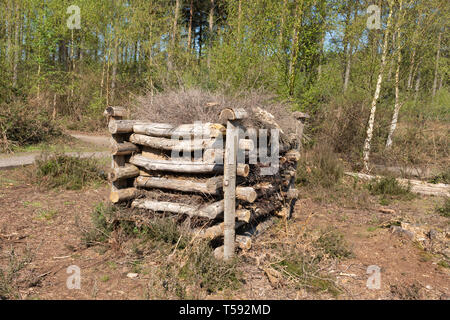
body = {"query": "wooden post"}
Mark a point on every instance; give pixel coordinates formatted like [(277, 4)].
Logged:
[(229, 178), (117, 161), (229, 188)]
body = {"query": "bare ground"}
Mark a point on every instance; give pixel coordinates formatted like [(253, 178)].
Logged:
[(42, 229)]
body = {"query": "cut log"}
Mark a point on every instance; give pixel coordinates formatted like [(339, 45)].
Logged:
[(121, 195), (123, 148), (175, 166), (184, 166), (172, 144), (115, 112), (246, 144), (246, 194), (210, 211), (292, 155), (207, 186), (213, 156), (243, 215), (244, 242), (123, 126), (232, 114), (417, 186), (212, 130), (151, 153), (126, 172), (215, 231), (243, 170)]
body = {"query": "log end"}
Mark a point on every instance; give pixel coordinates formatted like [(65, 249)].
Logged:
[(243, 170)]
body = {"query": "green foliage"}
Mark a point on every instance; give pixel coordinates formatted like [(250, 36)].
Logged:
[(9, 275), (333, 244), (101, 225), (443, 177), (21, 126), (72, 173), (387, 186), (304, 270), (445, 209), (321, 167), (209, 273)]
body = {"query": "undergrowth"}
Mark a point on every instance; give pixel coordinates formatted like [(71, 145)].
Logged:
[(22, 126), (71, 173)]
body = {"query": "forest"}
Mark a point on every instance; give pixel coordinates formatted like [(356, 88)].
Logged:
[(71, 59), (356, 90)]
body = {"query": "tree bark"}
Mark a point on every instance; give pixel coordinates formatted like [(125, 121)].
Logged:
[(210, 211), (211, 32), (367, 143), (206, 186), (397, 104), (16, 44), (126, 172), (172, 144), (436, 69)]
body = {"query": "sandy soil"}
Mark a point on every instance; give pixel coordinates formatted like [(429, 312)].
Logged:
[(43, 229)]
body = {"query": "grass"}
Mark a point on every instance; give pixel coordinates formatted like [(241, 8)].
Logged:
[(389, 188), (210, 274), (70, 173), (320, 167), (101, 227), (304, 272), (46, 215), (443, 177), (332, 243), (9, 276), (445, 209)]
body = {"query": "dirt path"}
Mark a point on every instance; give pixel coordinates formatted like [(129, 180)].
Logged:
[(8, 161), (98, 140)]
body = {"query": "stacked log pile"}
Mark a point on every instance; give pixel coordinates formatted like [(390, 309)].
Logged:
[(215, 175)]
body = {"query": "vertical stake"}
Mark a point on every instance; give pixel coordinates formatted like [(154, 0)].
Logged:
[(229, 188)]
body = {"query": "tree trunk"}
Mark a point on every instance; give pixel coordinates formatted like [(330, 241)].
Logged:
[(295, 48), (347, 67), (114, 71), (397, 95), (397, 104), (436, 69), (367, 143), (411, 69), (16, 44), (417, 87), (191, 15), (211, 32)]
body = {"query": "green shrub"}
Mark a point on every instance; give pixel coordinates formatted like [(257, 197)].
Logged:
[(21, 126), (445, 209), (387, 186), (304, 271), (333, 244), (208, 272), (322, 168), (71, 173), (443, 177), (101, 226)]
